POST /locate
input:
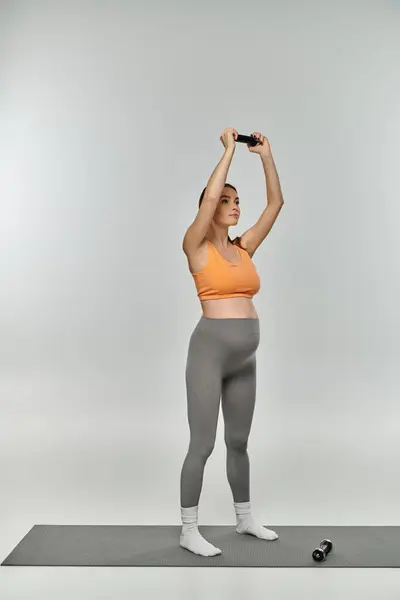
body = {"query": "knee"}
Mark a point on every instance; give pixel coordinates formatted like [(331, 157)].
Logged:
[(236, 443), (202, 450)]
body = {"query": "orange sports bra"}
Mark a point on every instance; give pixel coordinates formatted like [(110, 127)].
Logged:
[(223, 279)]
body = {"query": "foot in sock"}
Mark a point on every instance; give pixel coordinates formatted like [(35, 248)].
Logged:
[(191, 538), (195, 542), (246, 524)]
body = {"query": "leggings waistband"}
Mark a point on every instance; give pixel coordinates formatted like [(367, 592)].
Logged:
[(229, 318), (230, 325)]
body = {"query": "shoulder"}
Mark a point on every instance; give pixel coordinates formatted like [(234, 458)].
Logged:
[(238, 241)]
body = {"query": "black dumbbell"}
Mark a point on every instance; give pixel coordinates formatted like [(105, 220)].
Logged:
[(247, 139), (321, 553)]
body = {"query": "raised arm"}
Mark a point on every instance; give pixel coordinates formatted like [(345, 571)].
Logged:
[(196, 232), (254, 236)]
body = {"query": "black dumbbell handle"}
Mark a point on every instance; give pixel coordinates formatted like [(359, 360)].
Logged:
[(326, 546), (247, 139)]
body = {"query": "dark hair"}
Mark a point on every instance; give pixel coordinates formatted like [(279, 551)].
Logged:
[(202, 196)]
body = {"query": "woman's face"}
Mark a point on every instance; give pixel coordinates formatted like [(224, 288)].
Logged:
[(228, 210)]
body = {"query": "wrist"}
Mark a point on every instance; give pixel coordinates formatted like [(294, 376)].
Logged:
[(230, 150)]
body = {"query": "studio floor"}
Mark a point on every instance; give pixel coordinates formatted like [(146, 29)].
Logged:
[(17, 583)]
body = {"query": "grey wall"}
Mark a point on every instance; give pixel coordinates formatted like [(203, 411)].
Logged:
[(111, 115)]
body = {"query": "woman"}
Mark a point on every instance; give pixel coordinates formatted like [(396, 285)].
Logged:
[(221, 361)]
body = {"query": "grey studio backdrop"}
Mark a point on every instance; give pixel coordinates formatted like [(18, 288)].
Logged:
[(111, 115)]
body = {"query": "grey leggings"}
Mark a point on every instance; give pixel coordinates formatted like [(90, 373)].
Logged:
[(221, 365)]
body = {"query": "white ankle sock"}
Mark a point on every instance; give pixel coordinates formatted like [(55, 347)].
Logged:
[(245, 523), (191, 538)]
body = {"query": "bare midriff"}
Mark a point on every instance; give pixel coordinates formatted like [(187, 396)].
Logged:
[(229, 308)]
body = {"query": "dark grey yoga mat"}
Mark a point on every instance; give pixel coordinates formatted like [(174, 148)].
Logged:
[(158, 546)]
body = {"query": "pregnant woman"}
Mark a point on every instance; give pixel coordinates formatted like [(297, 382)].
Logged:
[(221, 360)]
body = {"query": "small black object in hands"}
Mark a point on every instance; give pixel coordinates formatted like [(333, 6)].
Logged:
[(247, 139), (321, 553)]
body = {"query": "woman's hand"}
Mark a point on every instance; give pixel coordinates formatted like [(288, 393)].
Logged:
[(263, 148), (228, 138)]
